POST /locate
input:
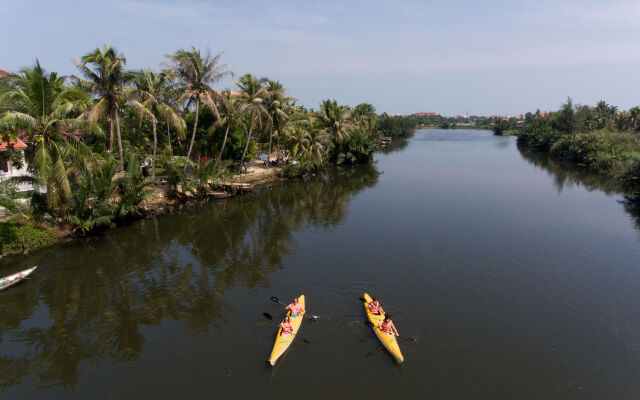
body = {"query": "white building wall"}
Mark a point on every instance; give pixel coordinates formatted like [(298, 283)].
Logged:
[(15, 172)]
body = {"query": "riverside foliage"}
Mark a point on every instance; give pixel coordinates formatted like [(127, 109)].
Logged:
[(601, 138), (89, 134)]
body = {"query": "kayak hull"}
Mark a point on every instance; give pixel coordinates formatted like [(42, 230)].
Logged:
[(282, 343), (14, 279), (390, 342)]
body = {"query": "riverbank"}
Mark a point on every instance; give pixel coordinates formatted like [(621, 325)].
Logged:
[(615, 155), (45, 231)]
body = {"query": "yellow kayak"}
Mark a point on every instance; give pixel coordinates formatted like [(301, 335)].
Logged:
[(388, 341), (283, 343)]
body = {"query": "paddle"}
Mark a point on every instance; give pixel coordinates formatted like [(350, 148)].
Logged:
[(371, 324), (270, 318), (277, 300)]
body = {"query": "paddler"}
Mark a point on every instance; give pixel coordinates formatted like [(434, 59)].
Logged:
[(388, 327), (295, 307), (374, 307), (287, 328)]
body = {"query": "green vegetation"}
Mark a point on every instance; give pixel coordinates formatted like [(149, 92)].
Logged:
[(147, 115), (15, 237), (17, 233), (600, 137)]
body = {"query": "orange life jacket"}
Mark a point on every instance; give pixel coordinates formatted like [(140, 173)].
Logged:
[(374, 307), (386, 327), (287, 328), (296, 309)]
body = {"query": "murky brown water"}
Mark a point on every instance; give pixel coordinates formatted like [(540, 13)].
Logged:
[(519, 276)]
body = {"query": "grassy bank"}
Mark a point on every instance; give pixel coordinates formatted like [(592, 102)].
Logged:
[(14, 240)]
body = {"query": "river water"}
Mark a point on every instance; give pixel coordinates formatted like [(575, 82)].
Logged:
[(519, 277)]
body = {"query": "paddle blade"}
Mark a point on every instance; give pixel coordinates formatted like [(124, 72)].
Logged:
[(268, 316), (275, 299), (312, 317), (369, 323), (362, 299)]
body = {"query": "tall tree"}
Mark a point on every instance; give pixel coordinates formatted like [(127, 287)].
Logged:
[(275, 104), (252, 94), (43, 107), (147, 98), (231, 116), (335, 120), (197, 72), (105, 77)]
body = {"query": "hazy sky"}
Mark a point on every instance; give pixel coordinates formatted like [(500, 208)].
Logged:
[(452, 57)]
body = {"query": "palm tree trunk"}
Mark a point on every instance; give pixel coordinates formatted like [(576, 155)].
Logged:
[(155, 145), (224, 141), (111, 134), (270, 140), (246, 146), (277, 142), (24, 247), (169, 134), (193, 135), (119, 140)]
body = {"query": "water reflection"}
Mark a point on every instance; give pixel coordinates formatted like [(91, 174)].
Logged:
[(92, 297), (398, 143), (566, 174)]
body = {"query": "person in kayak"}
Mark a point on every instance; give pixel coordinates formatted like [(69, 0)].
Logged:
[(287, 328), (295, 307), (388, 327), (374, 307)]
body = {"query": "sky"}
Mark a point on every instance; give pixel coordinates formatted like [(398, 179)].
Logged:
[(451, 57)]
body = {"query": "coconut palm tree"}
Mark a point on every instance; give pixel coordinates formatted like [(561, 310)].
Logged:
[(105, 77), (39, 104), (231, 116), (147, 98), (252, 94), (197, 72), (318, 140), (335, 120), (634, 118), (275, 103)]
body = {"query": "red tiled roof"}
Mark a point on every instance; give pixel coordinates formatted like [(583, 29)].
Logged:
[(2, 73), (18, 144), (426, 113)]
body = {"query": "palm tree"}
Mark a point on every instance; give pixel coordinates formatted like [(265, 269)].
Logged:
[(275, 103), (252, 96), (197, 73), (41, 105), (634, 118), (317, 141), (148, 100), (335, 120), (298, 139), (231, 116), (105, 77)]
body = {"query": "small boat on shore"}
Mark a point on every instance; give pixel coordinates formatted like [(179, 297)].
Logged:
[(218, 194), (11, 280)]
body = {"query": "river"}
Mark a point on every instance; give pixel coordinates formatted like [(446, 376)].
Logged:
[(518, 276)]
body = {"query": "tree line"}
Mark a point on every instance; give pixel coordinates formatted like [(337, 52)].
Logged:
[(88, 133), (601, 137)]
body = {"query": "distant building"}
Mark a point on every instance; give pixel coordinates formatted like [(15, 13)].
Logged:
[(425, 113), (8, 170), (3, 73)]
